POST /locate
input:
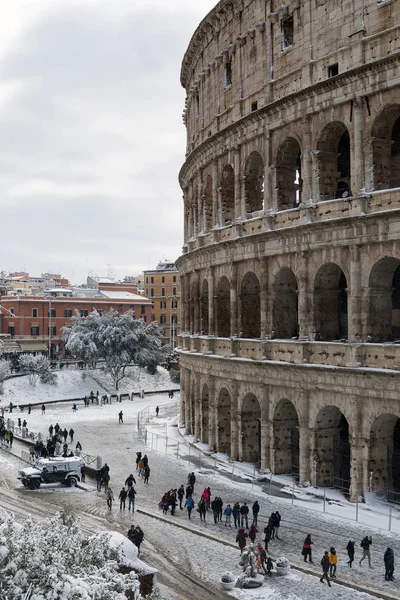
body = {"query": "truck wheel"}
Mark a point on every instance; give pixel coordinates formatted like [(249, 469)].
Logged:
[(72, 481), (32, 484), (37, 484)]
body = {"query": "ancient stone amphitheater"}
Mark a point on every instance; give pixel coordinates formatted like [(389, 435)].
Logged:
[(290, 273)]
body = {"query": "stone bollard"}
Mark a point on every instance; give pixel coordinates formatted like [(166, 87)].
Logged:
[(99, 463)]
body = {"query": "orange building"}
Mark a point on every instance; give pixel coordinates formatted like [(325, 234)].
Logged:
[(162, 287)]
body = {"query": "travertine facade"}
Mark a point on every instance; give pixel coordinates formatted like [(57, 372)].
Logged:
[(290, 276)]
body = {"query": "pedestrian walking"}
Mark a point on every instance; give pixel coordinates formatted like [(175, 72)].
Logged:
[(29, 408), (255, 510), (276, 522), (365, 545), (241, 539), (236, 514), (325, 568), (110, 498), (130, 480), (244, 515), (270, 566), (141, 467), (192, 479), (122, 498), (181, 494), (253, 532), (189, 491), (56, 428), (138, 457), (157, 410), (11, 439), (106, 481), (24, 424), (228, 515), (71, 434), (306, 552), (189, 506), (202, 509), (333, 558), (131, 498), (43, 409), (83, 474), (19, 423), (215, 509), (206, 496), (146, 474), (268, 535), (388, 558), (350, 552), (220, 507), (65, 434), (120, 417), (261, 559)]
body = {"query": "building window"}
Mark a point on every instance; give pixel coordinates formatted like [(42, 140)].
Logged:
[(142, 309), (163, 304), (151, 279), (153, 318), (120, 307), (68, 313), (12, 311), (51, 331), (162, 291), (163, 279), (228, 74), (174, 304), (174, 279), (35, 330), (287, 33), (174, 291), (11, 330), (147, 280), (152, 292), (254, 106), (35, 313), (144, 318), (333, 70), (84, 313), (197, 105), (163, 319), (132, 307), (174, 319), (51, 313)]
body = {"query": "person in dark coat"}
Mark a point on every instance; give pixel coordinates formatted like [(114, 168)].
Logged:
[(268, 535), (65, 434), (220, 508), (241, 539), (276, 521), (24, 423), (130, 480), (365, 545), (325, 568), (29, 409), (253, 532), (307, 549), (244, 515), (215, 509), (192, 479), (255, 509), (120, 417), (181, 494), (56, 428), (202, 509), (389, 564), (43, 409), (236, 514), (122, 498), (71, 434), (350, 552), (189, 491)]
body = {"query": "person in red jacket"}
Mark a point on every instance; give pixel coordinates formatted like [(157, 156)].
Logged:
[(241, 539)]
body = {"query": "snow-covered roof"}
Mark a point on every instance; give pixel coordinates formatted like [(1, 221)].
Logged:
[(121, 295), (59, 290)]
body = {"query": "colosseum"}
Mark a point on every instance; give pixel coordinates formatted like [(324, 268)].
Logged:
[(290, 272)]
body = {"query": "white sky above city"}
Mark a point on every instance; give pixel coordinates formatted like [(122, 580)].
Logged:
[(91, 133)]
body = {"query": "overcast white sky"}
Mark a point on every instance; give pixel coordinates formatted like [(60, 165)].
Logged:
[(91, 134)]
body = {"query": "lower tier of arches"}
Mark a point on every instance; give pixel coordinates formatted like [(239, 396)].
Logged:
[(330, 427)]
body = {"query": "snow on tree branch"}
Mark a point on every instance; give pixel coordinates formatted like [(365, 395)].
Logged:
[(37, 367)]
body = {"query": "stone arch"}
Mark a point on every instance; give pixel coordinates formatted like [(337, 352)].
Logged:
[(384, 300), (251, 429), (227, 195), (286, 439), (384, 455), (330, 303), (204, 421), (224, 421), (250, 307), (223, 308), (332, 449), (207, 204), (288, 174), (386, 148), (285, 305), (334, 162), (254, 183), (204, 300)]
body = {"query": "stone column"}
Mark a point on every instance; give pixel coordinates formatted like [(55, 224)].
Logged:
[(239, 435), (185, 213), (234, 302), (357, 164), (307, 193), (220, 216), (268, 450), (314, 472), (359, 450), (182, 405), (269, 319), (189, 323), (238, 184), (211, 303), (354, 298), (234, 422), (197, 407), (188, 404), (183, 301), (316, 196), (196, 303), (215, 196), (200, 202), (264, 296), (212, 411), (305, 314), (267, 171), (304, 455)]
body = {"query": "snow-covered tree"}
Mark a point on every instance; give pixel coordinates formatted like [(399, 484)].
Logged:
[(4, 373), (54, 561), (119, 339), (37, 367)]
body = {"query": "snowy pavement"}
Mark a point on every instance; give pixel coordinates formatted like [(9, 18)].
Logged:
[(98, 431)]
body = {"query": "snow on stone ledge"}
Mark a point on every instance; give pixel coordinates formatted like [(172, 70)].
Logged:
[(128, 554)]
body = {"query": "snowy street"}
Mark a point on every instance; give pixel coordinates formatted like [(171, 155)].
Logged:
[(184, 557)]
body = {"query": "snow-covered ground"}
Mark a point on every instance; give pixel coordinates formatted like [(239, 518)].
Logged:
[(205, 550)]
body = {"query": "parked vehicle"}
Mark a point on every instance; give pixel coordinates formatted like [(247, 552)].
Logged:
[(52, 470)]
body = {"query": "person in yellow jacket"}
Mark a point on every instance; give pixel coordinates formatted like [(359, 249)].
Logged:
[(332, 562)]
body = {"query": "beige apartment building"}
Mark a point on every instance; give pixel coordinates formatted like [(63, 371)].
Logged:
[(162, 286)]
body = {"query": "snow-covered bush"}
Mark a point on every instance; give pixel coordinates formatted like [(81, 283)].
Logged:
[(60, 562), (175, 376), (228, 577), (37, 367), (4, 373)]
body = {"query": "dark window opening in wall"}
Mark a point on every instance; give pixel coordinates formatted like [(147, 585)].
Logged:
[(162, 279), (209, 134), (147, 280), (34, 330), (12, 311), (287, 33), (163, 319), (162, 291), (11, 330), (68, 313), (152, 292), (333, 70), (34, 312), (142, 309), (144, 318), (174, 291), (174, 304), (174, 319), (254, 106), (151, 279), (197, 105), (51, 330), (228, 74), (163, 304), (153, 318), (52, 313), (120, 308), (84, 313), (174, 279)]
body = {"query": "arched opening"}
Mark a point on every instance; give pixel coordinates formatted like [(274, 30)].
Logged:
[(286, 439), (384, 295), (224, 422), (223, 308), (334, 162), (204, 414), (285, 305), (204, 308), (333, 453), (330, 303), (227, 195), (254, 183), (250, 307), (386, 148), (384, 464), (288, 174), (251, 430), (207, 205)]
